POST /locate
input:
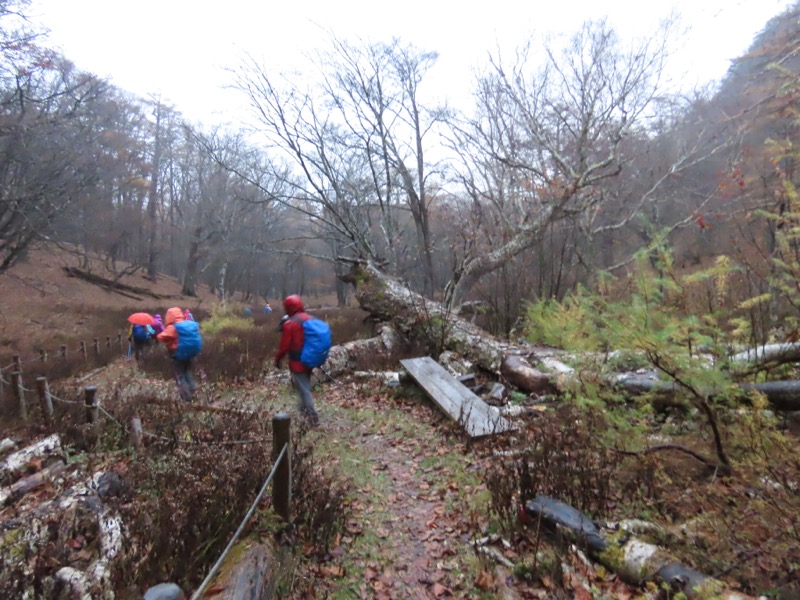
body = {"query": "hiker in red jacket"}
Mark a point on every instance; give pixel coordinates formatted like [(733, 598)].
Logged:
[(292, 343)]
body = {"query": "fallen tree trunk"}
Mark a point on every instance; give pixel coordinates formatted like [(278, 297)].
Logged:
[(633, 560), (430, 323), (779, 353), (434, 326), (345, 358), (129, 291), (16, 491), (252, 575), (782, 395), (14, 464)]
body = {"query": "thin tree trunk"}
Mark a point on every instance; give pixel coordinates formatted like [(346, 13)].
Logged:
[(152, 205), (190, 279)]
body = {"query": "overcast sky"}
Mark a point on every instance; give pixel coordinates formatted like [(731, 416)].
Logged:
[(181, 48)]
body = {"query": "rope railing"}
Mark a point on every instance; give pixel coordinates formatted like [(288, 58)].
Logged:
[(82, 347), (62, 401), (212, 573), (18, 387), (149, 434), (165, 438)]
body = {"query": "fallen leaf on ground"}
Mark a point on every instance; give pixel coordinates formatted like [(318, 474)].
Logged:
[(331, 571), (484, 581)]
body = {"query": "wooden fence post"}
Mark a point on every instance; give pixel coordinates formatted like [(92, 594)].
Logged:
[(63, 352), (90, 400), (19, 393), (282, 483), (119, 340), (136, 432), (83, 349), (43, 355), (108, 342), (44, 398), (17, 364), (97, 346)]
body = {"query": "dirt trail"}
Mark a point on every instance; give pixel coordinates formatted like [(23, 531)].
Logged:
[(416, 486)]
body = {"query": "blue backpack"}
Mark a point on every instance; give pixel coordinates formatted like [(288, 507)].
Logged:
[(316, 343), (190, 342), (139, 333)]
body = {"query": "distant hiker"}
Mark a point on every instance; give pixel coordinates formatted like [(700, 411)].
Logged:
[(158, 326), (267, 308), (138, 335), (187, 316), (183, 341), (307, 341)]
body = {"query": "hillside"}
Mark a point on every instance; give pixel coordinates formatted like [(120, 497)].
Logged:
[(42, 306)]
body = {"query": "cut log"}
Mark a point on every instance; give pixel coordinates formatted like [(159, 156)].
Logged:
[(16, 491), (344, 358), (6, 446), (13, 467), (521, 374)]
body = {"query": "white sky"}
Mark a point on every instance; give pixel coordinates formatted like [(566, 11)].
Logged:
[(181, 48)]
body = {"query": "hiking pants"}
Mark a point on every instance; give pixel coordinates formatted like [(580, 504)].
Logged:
[(302, 383), (139, 348), (184, 379)]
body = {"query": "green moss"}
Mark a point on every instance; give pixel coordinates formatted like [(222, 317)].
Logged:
[(12, 544)]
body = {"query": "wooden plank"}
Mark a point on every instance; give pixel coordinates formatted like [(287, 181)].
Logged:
[(455, 399)]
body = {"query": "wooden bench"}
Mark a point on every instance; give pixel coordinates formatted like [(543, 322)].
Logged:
[(473, 414)]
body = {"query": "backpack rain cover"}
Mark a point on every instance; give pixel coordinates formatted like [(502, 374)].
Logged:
[(316, 343), (190, 342)]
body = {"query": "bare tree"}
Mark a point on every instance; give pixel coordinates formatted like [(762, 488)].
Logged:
[(544, 148), (49, 139), (358, 143)]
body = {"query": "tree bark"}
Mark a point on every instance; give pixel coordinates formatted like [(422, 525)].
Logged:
[(782, 395), (152, 205), (634, 561), (190, 279), (14, 464), (16, 491), (429, 323), (251, 576)]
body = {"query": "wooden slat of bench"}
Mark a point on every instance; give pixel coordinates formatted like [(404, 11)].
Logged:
[(456, 400)]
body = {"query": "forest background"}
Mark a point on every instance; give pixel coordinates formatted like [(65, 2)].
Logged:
[(575, 157)]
